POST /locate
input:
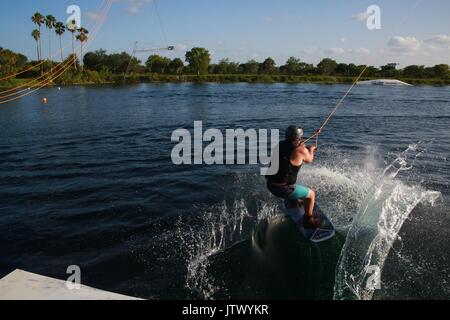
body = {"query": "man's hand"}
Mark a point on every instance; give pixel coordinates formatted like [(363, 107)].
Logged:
[(312, 148)]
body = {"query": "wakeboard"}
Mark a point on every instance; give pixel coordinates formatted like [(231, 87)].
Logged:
[(323, 230)]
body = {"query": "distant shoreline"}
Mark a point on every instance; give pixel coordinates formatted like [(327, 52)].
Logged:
[(226, 78), (220, 78)]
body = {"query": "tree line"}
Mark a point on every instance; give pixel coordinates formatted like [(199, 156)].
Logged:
[(198, 62)]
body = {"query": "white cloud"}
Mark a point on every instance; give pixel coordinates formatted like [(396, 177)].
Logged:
[(132, 11), (308, 51), (362, 16), (92, 16), (343, 40), (404, 44), (335, 51), (134, 7), (434, 48), (283, 18), (440, 39), (360, 51), (181, 46)]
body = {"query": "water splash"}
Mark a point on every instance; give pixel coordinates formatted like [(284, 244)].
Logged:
[(345, 183), (376, 227), (342, 182), (220, 226)]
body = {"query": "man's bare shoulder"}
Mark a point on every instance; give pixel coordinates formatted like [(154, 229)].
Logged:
[(301, 148), (301, 152)]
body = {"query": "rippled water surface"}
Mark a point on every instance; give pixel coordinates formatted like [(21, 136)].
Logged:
[(88, 180)]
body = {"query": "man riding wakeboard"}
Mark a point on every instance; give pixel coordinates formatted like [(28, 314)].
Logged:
[(293, 153)]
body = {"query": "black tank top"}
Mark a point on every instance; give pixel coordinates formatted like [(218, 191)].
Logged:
[(287, 173)]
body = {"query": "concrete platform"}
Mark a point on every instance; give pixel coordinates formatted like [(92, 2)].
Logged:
[(22, 285)]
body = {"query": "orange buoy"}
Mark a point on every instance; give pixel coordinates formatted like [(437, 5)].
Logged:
[(44, 100)]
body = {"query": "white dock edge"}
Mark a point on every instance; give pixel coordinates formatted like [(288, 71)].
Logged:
[(22, 285)]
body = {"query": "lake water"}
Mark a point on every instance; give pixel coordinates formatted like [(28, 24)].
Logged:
[(88, 180)]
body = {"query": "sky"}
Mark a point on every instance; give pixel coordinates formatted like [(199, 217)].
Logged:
[(412, 31)]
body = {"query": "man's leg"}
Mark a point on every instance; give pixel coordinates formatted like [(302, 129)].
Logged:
[(299, 194), (309, 203), (308, 197)]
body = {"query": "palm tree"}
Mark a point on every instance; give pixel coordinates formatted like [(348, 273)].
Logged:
[(37, 36), (72, 27), (50, 23), (60, 28), (82, 37), (38, 19)]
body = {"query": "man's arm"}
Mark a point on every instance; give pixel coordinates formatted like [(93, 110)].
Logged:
[(308, 153)]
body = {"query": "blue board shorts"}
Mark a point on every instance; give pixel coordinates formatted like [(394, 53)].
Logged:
[(289, 192)]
